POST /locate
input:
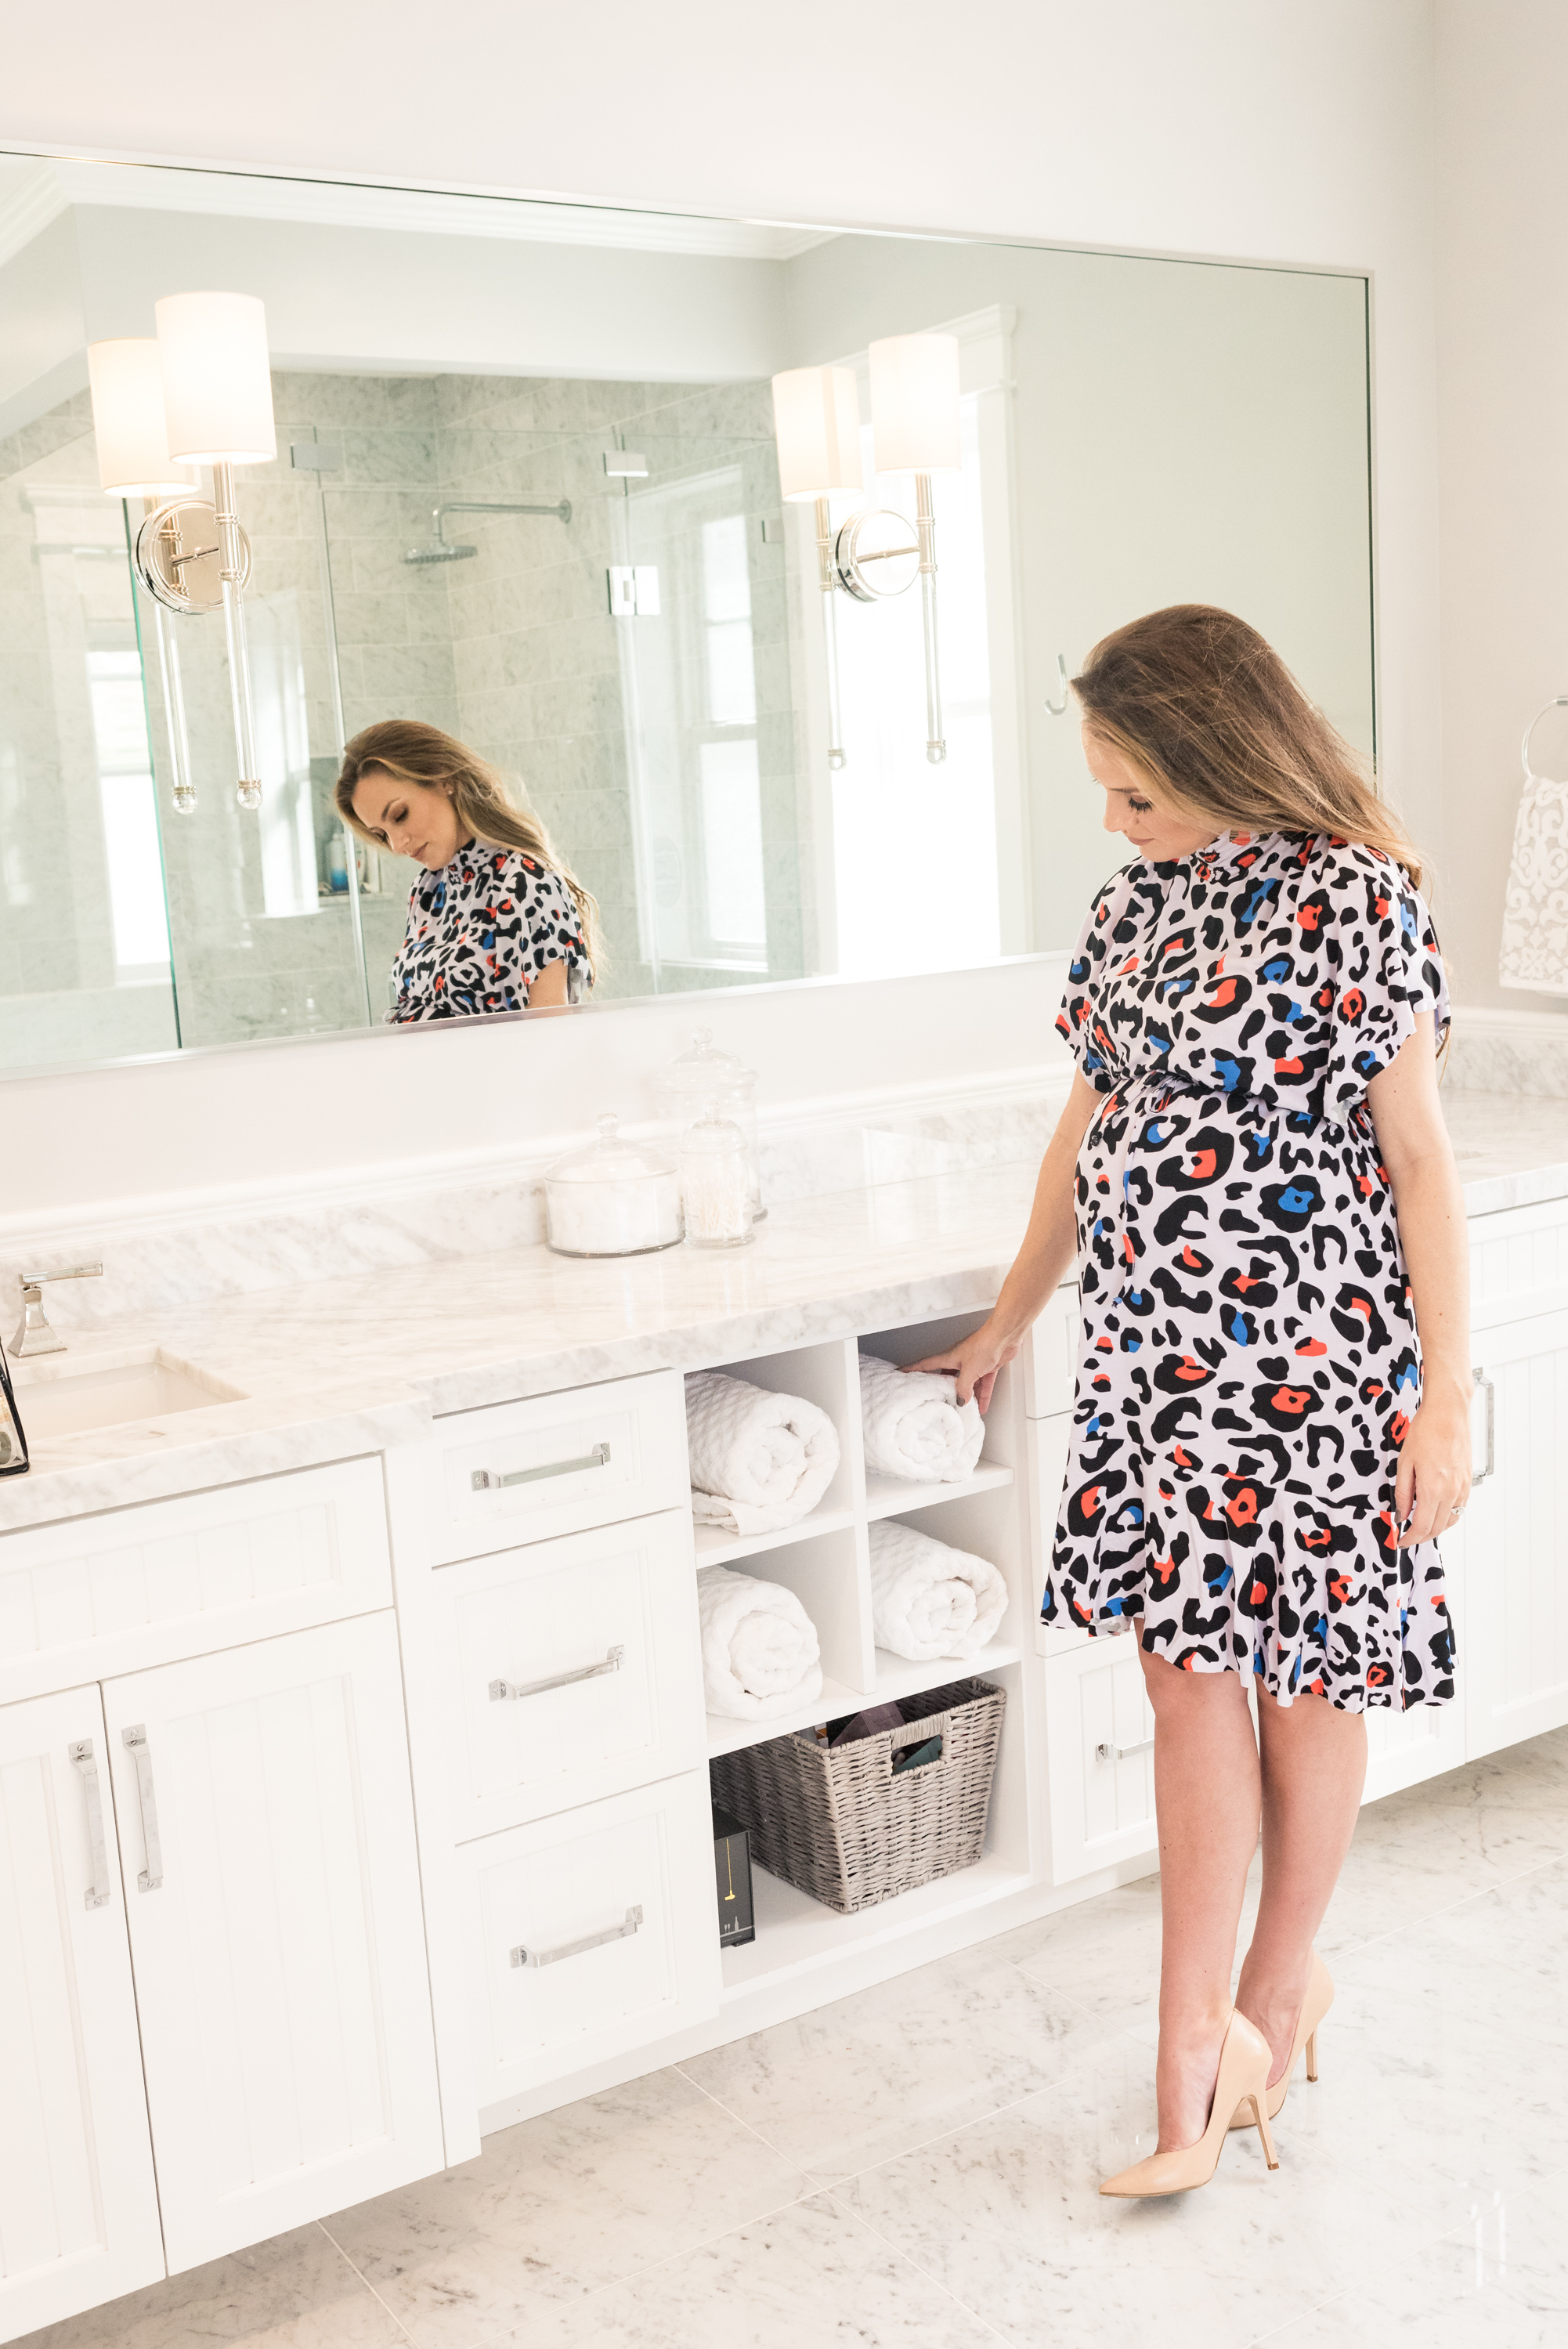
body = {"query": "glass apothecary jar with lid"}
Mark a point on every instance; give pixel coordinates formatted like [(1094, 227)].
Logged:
[(715, 1182), (705, 1074), (615, 1198)]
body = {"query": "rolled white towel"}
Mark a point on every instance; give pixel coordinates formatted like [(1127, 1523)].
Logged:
[(928, 1600), (760, 1652), (915, 1425), (759, 1461)]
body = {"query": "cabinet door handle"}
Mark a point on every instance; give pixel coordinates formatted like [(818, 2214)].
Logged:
[(141, 1753), (1482, 1473), (486, 1480), (510, 1690), (97, 1895), (522, 1957), (1122, 1753)]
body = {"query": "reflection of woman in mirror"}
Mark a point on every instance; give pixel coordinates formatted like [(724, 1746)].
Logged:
[(1271, 1423), (497, 922)]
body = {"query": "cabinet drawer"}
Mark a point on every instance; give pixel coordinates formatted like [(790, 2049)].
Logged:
[(1050, 1357), (575, 1668), (519, 1472), (97, 1595), (592, 1932), (1100, 1740)]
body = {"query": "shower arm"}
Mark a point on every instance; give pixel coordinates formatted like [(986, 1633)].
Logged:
[(563, 512)]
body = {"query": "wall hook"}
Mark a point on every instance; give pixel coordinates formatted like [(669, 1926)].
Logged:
[(1059, 709)]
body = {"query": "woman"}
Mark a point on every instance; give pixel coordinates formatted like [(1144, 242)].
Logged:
[(498, 922), (1271, 1416)]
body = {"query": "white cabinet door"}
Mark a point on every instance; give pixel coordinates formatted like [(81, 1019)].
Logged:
[(273, 1889), (1099, 1738), (79, 2209), (1513, 1654)]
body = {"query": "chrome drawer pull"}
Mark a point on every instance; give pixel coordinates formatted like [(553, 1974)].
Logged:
[(512, 1689), (485, 1480), (1482, 1473), (520, 1957), (1122, 1753), (97, 1895), (136, 1745)]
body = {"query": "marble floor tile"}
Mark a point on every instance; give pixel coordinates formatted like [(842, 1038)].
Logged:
[(1500, 2282), (814, 2277), (1104, 1954), (295, 2291), (561, 2206), (1007, 2214), (868, 2076)]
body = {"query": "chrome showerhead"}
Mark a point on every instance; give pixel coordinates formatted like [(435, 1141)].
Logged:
[(437, 551)]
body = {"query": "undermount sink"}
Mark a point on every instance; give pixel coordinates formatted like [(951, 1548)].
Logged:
[(57, 1397)]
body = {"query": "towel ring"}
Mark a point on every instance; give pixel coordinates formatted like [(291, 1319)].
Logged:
[(1558, 701)]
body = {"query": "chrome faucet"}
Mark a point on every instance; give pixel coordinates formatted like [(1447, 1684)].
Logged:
[(34, 1335)]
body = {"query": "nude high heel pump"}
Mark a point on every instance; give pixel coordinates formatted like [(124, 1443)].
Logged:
[(1315, 2005), (1244, 2062)]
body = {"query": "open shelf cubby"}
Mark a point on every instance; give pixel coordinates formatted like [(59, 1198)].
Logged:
[(825, 1560)]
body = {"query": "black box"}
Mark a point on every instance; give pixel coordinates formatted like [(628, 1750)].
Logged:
[(732, 1864)]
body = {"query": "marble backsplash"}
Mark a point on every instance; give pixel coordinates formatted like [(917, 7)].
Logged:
[(187, 1253)]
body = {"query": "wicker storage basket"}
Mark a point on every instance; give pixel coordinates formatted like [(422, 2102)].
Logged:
[(840, 1826)]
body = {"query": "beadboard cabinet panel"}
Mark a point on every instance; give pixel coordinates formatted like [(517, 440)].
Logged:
[(113, 1593), (79, 2206), (275, 1926)]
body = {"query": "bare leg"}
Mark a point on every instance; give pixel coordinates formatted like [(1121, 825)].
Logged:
[(1207, 1793), (1314, 1767)]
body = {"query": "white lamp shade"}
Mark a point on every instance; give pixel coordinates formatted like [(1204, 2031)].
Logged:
[(817, 417), (127, 385), (914, 404), (217, 380)]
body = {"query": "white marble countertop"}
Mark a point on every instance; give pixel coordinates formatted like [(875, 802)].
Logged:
[(331, 1368)]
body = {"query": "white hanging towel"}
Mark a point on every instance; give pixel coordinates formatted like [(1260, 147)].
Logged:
[(1535, 911), (760, 1462), (915, 1425), (928, 1600), (760, 1652)]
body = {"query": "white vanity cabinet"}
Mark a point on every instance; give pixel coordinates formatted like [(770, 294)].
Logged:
[(1515, 1633), (215, 2003)]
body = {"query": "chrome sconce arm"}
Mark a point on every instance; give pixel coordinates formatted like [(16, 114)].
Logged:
[(925, 532), (194, 557), (828, 580), (235, 549)]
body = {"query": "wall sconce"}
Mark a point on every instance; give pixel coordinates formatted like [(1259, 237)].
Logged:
[(915, 425), (217, 410), (125, 380), (817, 419)]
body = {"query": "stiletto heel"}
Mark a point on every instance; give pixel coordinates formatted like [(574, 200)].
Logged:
[(1261, 2117), (1315, 2005), (1244, 2074)]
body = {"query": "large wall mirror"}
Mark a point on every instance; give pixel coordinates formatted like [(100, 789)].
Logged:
[(651, 670)]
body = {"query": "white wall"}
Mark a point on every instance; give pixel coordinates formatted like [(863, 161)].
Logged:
[(1504, 376), (1248, 129)]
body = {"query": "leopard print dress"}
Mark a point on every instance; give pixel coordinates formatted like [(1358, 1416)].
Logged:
[(480, 930), (1248, 1363)]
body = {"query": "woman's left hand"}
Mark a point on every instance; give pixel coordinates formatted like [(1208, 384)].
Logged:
[(1434, 1479)]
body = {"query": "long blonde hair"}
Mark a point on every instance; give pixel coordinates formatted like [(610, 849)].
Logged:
[(414, 753), (1209, 710)]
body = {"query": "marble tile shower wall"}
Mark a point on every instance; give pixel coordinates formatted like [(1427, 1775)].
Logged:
[(544, 688)]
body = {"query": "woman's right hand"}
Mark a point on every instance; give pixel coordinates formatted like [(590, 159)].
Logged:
[(973, 1362)]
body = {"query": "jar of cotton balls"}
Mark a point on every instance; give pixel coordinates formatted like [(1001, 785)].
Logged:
[(715, 1182)]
